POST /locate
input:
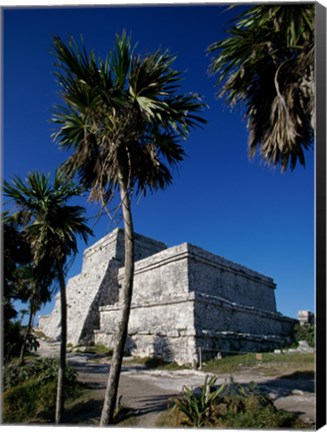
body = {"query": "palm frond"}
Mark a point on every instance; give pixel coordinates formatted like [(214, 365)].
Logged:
[(267, 64), (118, 116)]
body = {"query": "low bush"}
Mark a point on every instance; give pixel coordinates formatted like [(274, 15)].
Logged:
[(232, 405), (30, 402), (305, 332), (30, 390)]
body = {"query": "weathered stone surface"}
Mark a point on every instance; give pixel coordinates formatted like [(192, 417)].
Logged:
[(185, 300), (95, 286)]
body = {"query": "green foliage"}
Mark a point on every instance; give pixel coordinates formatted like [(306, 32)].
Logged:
[(29, 401), (30, 390), (121, 115), (232, 405), (266, 64), (252, 411), (32, 343), (13, 340), (51, 226), (40, 369), (305, 332), (16, 255), (198, 409)]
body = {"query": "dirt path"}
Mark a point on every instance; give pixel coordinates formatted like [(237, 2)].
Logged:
[(147, 392), (145, 398)]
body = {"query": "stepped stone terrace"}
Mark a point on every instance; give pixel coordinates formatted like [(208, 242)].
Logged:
[(186, 302)]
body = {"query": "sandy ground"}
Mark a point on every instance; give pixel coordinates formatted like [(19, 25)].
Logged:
[(148, 391)]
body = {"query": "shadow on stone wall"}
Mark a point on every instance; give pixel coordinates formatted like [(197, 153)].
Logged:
[(130, 345), (162, 348), (107, 294)]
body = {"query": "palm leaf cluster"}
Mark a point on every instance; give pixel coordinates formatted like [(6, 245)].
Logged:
[(122, 117), (267, 63), (50, 225)]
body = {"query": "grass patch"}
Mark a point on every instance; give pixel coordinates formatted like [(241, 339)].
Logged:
[(269, 363), (29, 402), (98, 349)]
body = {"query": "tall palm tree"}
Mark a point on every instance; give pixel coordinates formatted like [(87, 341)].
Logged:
[(267, 64), (123, 119), (51, 227)]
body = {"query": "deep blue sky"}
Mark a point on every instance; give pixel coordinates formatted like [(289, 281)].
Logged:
[(220, 200)]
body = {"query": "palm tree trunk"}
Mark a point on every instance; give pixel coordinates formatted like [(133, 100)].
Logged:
[(27, 332), (114, 374), (62, 358)]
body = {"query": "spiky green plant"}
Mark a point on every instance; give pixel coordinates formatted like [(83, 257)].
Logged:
[(196, 408)]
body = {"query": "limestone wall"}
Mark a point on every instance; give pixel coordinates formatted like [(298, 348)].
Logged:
[(162, 312), (226, 326), (161, 276), (213, 275), (185, 298), (95, 286), (162, 330)]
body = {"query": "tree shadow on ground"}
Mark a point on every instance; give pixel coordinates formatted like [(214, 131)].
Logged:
[(154, 403), (284, 385), (84, 412)]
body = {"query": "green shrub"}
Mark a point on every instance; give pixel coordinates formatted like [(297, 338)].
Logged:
[(305, 332), (253, 411), (232, 406), (41, 369), (32, 343), (30, 390), (29, 402)]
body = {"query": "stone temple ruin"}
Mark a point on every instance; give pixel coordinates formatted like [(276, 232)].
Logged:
[(185, 300)]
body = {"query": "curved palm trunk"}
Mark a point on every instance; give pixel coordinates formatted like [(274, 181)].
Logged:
[(62, 358), (114, 374)]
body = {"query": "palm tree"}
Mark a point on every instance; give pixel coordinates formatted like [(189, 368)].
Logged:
[(51, 227), (123, 120), (267, 63)]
